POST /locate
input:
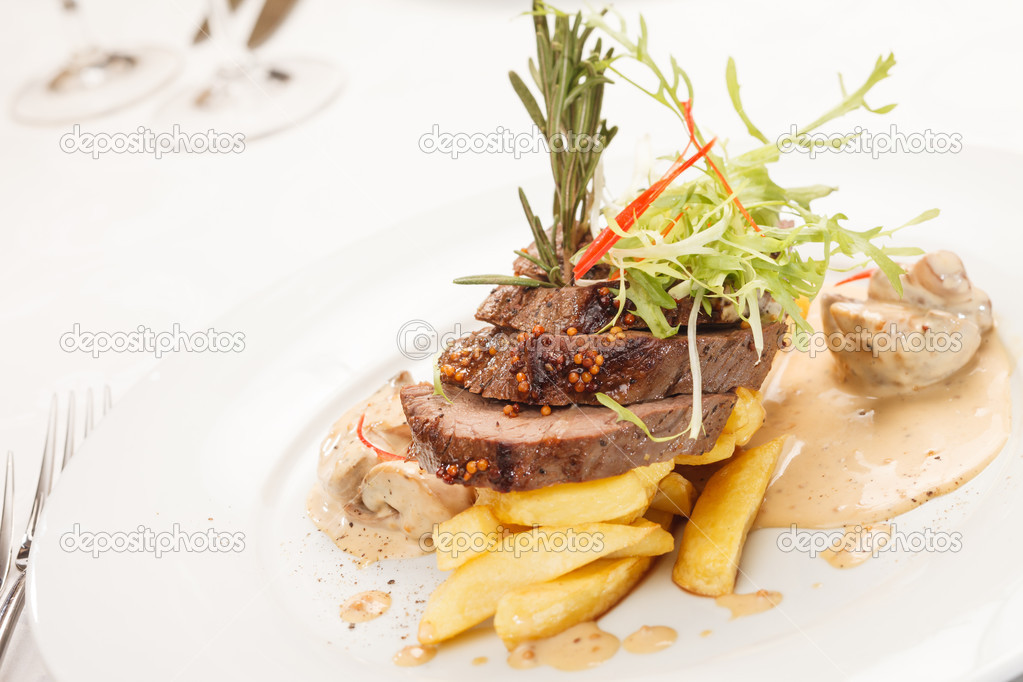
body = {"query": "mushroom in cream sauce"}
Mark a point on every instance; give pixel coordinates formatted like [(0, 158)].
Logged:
[(937, 281), (905, 343), (373, 506)]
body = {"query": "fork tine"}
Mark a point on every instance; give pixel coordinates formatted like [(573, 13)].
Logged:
[(88, 413), (108, 399), (69, 433), (7, 522), (45, 478)]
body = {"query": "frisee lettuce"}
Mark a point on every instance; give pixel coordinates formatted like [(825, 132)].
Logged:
[(695, 241), (713, 252)]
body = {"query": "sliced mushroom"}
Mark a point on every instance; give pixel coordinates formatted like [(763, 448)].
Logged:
[(895, 345), (344, 459), (400, 496), (391, 496), (937, 281)]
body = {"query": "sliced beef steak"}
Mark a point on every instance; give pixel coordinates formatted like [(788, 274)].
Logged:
[(587, 309), (556, 310), (552, 369), (471, 441)]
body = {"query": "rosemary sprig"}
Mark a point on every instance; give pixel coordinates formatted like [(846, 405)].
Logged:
[(571, 82), (547, 254), (569, 75), (503, 279)]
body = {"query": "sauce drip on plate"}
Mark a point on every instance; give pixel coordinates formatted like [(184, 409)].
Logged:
[(365, 606), (414, 654), (580, 647), (856, 458), (749, 604), (650, 639), (857, 544)]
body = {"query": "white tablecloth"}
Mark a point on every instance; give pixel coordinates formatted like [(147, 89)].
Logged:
[(129, 240)]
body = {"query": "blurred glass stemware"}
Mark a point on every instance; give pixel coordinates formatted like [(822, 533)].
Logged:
[(94, 80), (248, 94)]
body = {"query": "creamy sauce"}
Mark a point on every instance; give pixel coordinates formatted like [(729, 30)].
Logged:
[(580, 647), (856, 458), (415, 654), (365, 606), (366, 544), (858, 543), (749, 604), (649, 639), (377, 509)]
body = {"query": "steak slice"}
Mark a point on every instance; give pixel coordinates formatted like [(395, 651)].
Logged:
[(589, 311), (632, 369), (530, 451)]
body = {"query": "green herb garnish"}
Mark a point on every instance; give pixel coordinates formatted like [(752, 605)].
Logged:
[(732, 244), (569, 75), (438, 385)]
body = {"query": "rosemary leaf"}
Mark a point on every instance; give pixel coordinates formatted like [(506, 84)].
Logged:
[(503, 279)]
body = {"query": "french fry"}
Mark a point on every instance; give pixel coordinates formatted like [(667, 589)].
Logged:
[(465, 536), (657, 543), (584, 594), (486, 496), (723, 449), (470, 595), (747, 416), (675, 495), (661, 518), (620, 498), (712, 542), (652, 474), (628, 518)]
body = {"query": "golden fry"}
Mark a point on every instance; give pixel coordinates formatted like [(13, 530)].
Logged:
[(584, 594), (465, 536), (675, 495), (723, 449), (747, 417), (661, 518), (712, 542), (659, 542), (470, 595), (620, 498)]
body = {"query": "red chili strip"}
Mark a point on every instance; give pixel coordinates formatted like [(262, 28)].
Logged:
[(863, 275), (687, 106), (382, 454), (625, 220)]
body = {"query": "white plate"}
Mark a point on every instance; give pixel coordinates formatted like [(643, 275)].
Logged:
[(228, 441)]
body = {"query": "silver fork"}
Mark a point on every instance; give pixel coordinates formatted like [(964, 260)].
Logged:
[(14, 560)]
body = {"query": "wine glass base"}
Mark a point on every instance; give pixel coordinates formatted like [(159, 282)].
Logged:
[(257, 100), (94, 83)]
